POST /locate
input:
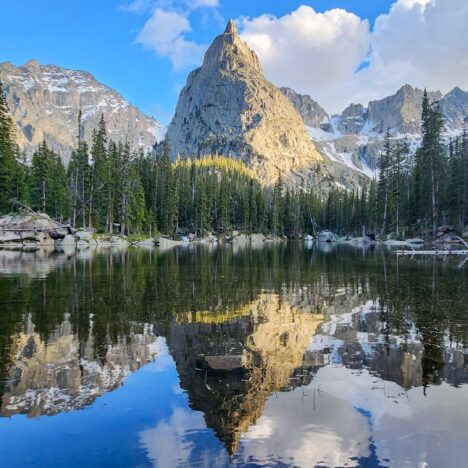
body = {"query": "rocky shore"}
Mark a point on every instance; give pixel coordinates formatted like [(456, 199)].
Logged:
[(33, 231)]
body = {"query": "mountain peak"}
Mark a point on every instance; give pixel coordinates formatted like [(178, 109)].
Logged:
[(229, 52), (229, 108), (32, 64), (231, 28)]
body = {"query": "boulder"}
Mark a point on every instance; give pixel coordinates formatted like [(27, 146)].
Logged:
[(37, 228), (241, 239), (443, 230), (395, 243), (84, 235), (226, 362)]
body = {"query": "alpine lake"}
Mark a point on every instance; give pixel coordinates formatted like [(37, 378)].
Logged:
[(289, 354)]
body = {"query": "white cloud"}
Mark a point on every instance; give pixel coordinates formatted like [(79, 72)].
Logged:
[(309, 51), (164, 32), (333, 56), (422, 42)]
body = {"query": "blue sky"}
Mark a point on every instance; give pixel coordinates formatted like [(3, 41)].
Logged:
[(105, 38)]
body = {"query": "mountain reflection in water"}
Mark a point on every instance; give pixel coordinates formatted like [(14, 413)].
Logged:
[(283, 355)]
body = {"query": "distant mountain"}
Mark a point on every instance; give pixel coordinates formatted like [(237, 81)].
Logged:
[(45, 101), (455, 108), (355, 137)]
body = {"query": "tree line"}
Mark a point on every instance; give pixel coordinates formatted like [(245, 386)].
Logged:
[(113, 189)]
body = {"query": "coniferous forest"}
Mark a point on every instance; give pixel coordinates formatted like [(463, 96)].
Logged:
[(114, 189)]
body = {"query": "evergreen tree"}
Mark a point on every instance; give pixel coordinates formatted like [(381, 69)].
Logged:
[(430, 162), (7, 156), (78, 178), (383, 183), (100, 179), (48, 184)]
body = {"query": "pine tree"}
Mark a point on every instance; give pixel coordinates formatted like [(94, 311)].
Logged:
[(100, 178), (430, 162), (78, 177), (396, 182), (383, 183), (40, 178), (48, 184), (22, 174), (7, 156)]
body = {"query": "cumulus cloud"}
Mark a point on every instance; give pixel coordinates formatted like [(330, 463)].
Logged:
[(309, 51), (334, 56), (164, 32), (422, 42), (166, 29)]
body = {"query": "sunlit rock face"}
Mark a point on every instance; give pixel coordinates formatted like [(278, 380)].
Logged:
[(59, 374), (230, 363), (45, 101), (228, 107)]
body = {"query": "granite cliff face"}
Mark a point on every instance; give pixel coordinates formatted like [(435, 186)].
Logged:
[(400, 112), (454, 106), (311, 112), (228, 107), (45, 101), (352, 119)]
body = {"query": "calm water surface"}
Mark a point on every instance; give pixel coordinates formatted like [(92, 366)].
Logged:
[(280, 356)]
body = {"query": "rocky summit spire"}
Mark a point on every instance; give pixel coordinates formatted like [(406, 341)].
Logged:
[(231, 28), (229, 51), (229, 108)]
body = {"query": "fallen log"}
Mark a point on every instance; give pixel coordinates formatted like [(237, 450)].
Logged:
[(432, 252)]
